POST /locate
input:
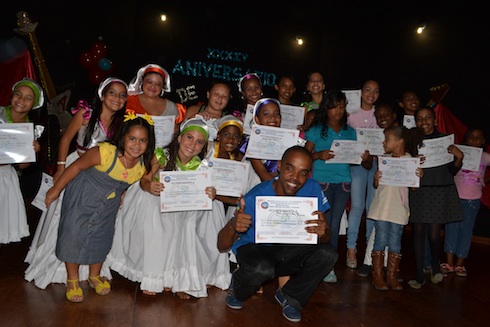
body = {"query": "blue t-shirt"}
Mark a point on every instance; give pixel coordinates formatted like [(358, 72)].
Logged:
[(334, 172), (310, 189)]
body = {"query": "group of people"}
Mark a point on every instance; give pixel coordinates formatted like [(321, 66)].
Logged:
[(104, 211)]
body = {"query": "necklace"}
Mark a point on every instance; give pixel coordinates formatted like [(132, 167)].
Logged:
[(365, 116), (125, 164)]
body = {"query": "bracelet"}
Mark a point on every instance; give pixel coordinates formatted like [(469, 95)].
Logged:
[(61, 162)]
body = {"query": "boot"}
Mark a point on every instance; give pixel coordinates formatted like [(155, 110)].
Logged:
[(393, 264), (378, 276)]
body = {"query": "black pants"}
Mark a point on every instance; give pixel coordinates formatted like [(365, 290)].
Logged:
[(258, 264)]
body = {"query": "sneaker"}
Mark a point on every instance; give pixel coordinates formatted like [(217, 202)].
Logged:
[(460, 271), (437, 278), (446, 269), (415, 285), (331, 277), (288, 311), (364, 270), (231, 300)]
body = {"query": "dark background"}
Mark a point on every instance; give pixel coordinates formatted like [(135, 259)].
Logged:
[(347, 41)]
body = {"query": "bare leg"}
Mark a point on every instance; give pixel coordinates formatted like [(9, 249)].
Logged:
[(282, 280), (72, 281)]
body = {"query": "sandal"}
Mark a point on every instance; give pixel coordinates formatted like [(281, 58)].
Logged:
[(445, 268), (74, 294), (102, 288), (460, 271)]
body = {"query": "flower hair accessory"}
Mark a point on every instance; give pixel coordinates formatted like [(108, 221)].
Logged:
[(130, 115), (83, 104)]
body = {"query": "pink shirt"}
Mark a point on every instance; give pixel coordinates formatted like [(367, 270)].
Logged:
[(362, 119), (470, 183)]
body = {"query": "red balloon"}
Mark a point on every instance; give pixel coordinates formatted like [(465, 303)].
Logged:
[(99, 50), (96, 76), (87, 60)]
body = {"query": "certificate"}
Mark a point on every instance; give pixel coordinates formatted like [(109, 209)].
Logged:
[(164, 129), (269, 143), (435, 151), (472, 157), (347, 151), (185, 191), (409, 121), (229, 177), (281, 219), (374, 138), (46, 184), (16, 143), (399, 171), (248, 121), (353, 100), (292, 116)]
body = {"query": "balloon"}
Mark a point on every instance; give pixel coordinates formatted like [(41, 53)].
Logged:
[(96, 76), (99, 49), (87, 60), (105, 64)]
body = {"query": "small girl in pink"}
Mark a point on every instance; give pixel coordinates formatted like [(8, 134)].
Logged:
[(469, 185)]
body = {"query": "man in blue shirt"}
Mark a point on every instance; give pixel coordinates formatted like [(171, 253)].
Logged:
[(259, 263)]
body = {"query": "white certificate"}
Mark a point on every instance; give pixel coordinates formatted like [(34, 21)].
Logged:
[(347, 151), (164, 130), (46, 184), (281, 219), (374, 138), (353, 100), (292, 116), (435, 151), (248, 121), (269, 143), (229, 177), (472, 157), (16, 143), (185, 191), (399, 171), (409, 121)]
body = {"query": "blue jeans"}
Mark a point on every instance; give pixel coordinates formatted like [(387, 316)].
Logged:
[(458, 235), (361, 196), (337, 195), (387, 234)]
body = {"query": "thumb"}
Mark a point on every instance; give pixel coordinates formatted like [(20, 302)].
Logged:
[(241, 205)]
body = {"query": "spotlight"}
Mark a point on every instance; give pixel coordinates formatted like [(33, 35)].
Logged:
[(421, 28), (299, 40), (163, 17)]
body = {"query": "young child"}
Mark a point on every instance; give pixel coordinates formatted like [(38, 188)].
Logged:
[(285, 89), (469, 185), (94, 185), (90, 127), (315, 91), (389, 209), (26, 96), (436, 202), (172, 251), (330, 124)]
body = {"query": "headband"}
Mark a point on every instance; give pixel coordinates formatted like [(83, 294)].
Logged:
[(136, 83), (195, 124), (262, 102), (230, 120), (108, 81), (246, 77), (36, 88)]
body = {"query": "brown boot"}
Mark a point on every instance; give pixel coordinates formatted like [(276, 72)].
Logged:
[(393, 264), (378, 276)]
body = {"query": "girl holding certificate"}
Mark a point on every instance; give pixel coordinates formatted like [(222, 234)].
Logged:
[(90, 126), (435, 203), (389, 209), (26, 96), (172, 251), (329, 124), (469, 184)]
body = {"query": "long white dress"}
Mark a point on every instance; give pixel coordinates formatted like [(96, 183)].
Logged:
[(13, 216), (44, 267), (176, 250)]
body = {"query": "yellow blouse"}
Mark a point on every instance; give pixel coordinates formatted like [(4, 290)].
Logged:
[(118, 172)]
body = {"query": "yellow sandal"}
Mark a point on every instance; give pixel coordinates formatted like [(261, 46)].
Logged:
[(74, 294), (102, 288)]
